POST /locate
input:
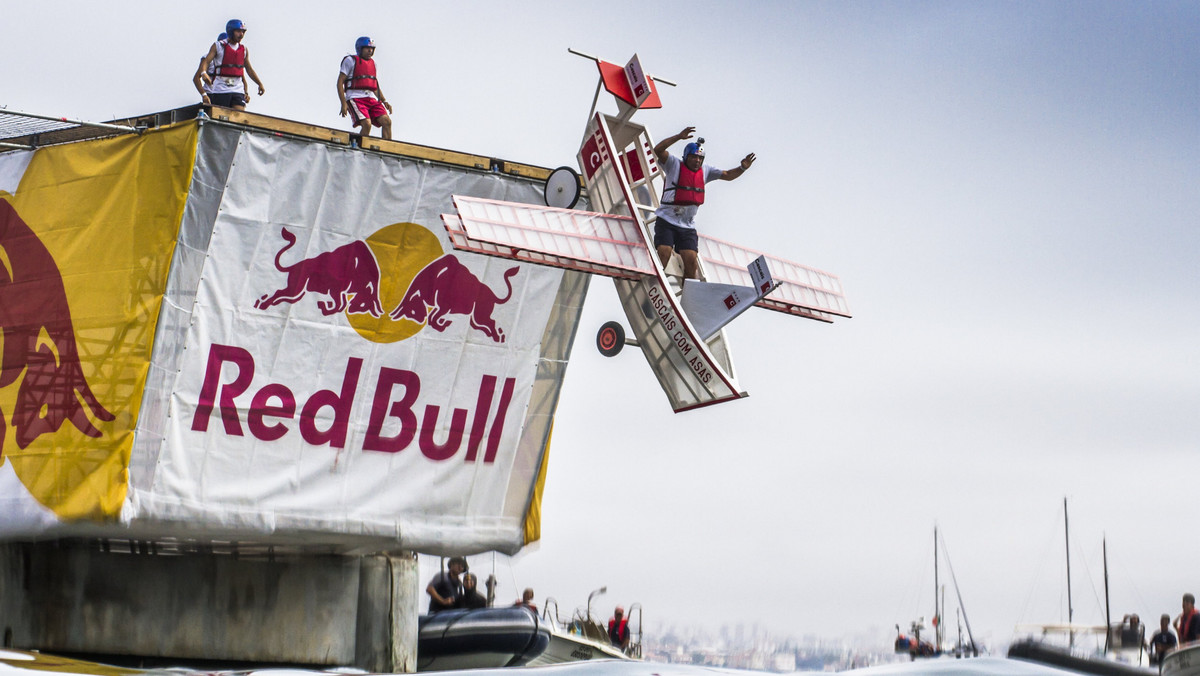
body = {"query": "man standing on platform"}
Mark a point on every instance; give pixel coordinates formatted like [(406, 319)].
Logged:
[(359, 92), (230, 61)]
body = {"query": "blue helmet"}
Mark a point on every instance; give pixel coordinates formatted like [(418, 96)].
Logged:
[(696, 148), (235, 25), (363, 42)]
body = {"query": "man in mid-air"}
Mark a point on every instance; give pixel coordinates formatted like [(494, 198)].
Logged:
[(683, 193)]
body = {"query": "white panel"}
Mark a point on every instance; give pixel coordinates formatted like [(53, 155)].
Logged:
[(577, 240)]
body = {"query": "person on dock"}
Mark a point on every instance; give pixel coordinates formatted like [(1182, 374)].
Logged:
[(618, 629), (1163, 640), (471, 598), (230, 60), (445, 588), (683, 193), (359, 91)]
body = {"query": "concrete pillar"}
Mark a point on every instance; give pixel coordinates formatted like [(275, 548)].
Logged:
[(406, 608), (138, 600)]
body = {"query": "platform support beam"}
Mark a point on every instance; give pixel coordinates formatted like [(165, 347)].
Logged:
[(140, 606)]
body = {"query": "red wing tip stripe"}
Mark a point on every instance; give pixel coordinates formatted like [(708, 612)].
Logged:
[(721, 400)]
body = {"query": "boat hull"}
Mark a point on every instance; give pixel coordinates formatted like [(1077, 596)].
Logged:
[(1182, 662), (566, 647), (480, 639)]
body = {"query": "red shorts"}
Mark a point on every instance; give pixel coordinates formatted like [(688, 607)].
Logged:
[(365, 107)]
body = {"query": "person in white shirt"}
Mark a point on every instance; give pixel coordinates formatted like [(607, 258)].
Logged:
[(230, 64), (359, 91), (683, 193)]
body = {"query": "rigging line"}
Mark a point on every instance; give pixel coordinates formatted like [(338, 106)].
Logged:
[(958, 593), (1132, 581), (512, 575), (1091, 580), (1048, 543), (911, 598)]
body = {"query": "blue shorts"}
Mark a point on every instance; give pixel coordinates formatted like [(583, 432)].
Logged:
[(228, 99), (679, 239)]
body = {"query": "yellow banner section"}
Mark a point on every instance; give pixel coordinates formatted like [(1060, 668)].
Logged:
[(533, 515), (85, 247)]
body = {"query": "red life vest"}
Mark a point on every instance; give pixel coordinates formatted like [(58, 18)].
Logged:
[(233, 61), (689, 190), (1185, 624), (364, 75), (618, 637)]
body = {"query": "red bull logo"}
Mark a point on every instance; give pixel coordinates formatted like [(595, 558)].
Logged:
[(40, 350), (349, 279), (348, 275), (445, 287)]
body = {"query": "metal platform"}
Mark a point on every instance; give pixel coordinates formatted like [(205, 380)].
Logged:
[(27, 131)]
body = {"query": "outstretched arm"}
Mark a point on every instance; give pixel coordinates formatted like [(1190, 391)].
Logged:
[(730, 174), (660, 150)]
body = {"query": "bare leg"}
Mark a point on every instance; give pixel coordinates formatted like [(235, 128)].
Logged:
[(664, 255), (691, 264), (366, 127), (385, 126)]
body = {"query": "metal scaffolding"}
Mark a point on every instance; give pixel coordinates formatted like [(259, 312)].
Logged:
[(26, 131)]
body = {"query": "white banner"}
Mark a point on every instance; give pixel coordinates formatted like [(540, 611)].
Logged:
[(339, 371)]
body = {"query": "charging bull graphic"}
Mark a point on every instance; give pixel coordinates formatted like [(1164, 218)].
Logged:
[(446, 286), (39, 340), (349, 275)]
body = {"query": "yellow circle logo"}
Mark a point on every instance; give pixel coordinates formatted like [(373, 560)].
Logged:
[(401, 250)]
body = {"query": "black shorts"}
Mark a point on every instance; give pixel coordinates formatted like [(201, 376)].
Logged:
[(228, 99), (679, 239)]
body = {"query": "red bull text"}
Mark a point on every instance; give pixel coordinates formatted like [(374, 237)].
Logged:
[(395, 400)]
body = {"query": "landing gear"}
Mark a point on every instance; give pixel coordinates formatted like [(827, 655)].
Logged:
[(610, 340)]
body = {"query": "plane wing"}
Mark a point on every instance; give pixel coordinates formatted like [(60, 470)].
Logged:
[(612, 246), (803, 291), (602, 244)]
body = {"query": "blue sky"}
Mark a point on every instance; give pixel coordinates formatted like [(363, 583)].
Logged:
[(1008, 190)]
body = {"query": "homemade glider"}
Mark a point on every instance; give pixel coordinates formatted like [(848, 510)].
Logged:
[(677, 324)]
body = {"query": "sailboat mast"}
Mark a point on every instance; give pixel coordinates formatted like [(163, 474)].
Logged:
[(1107, 610), (1067, 538), (937, 609)]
